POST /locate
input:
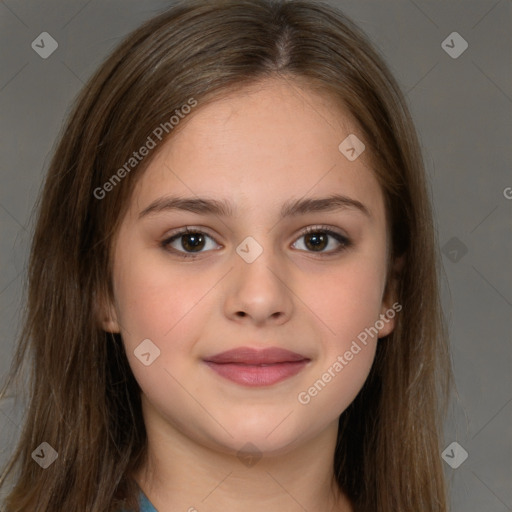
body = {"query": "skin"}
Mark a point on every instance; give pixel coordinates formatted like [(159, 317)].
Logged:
[(258, 148)]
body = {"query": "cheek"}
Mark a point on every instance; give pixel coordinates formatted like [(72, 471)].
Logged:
[(349, 299), (158, 302), (330, 392), (167, 308), (349, 303)]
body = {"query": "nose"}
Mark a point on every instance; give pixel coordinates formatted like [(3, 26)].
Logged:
[(259, 292)]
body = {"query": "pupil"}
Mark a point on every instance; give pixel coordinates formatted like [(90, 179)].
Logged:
[(196, 239), (319, 238)]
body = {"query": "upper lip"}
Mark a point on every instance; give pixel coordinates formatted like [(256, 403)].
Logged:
[(247, 355)]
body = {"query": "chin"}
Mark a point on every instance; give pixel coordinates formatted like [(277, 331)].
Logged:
[(272, 438)]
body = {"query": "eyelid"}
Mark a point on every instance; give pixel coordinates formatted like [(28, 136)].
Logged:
[(322, 228), (188, 229)]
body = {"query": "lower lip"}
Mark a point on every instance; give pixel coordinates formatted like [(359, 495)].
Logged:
[(257, 375)]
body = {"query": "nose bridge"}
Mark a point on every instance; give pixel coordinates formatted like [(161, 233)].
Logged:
[(257, 263), (257, 284)]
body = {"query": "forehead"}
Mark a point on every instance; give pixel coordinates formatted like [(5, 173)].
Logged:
[(261, 145)]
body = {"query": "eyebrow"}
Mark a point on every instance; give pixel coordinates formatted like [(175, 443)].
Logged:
[(224, 208)]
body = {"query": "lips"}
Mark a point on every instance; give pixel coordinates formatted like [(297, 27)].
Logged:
[(250, 356), (251, 367)]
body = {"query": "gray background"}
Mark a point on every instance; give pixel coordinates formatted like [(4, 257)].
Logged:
[(463, 111)]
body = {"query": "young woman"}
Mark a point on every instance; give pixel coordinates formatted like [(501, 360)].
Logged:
[(233, 299)]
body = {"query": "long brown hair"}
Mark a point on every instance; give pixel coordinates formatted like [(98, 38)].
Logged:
[(82, 397)]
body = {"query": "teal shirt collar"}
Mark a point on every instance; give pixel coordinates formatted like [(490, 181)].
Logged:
[(145, 504)]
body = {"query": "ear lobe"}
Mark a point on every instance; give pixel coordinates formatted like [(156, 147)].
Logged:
[(106, 315), (386, 322), (390, 306), (110, 325)]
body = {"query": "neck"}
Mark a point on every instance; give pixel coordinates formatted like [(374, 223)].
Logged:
[(182, 474)]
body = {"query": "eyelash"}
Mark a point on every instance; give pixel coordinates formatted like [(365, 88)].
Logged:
[(345, 243)]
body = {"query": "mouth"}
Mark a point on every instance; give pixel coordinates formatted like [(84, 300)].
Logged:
[(251, 367)]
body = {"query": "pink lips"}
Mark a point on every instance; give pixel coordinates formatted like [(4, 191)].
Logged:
[(251, 367)]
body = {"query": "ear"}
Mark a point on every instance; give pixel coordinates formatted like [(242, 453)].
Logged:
[(390, 307), (105, 313)]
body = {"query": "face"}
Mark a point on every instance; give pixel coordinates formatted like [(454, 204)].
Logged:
[(275, 269)]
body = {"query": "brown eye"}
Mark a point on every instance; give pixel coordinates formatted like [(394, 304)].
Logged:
[(192, 241), (317, 239), (188, 243)]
